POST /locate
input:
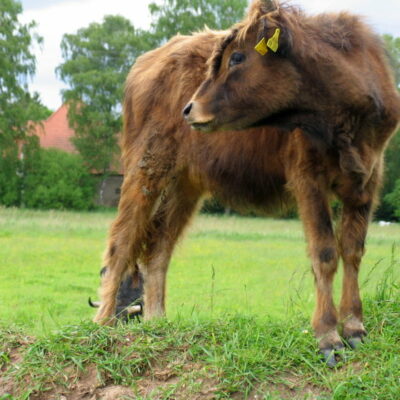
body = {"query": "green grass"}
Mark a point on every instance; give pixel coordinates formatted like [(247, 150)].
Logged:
[(239, 303), (258, 267)]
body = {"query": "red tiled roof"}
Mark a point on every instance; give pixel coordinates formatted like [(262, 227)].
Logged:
[(55, 131)]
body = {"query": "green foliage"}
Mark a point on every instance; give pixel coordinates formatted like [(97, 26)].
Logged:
[(393, 47), (9, 177), (392, 163), (17, 105), (97, 60), (44, 179), (187, 16), (393, 199), (13, 163), (213, 206), (17, 64), (57, 180), (387, 209), (36, 111)]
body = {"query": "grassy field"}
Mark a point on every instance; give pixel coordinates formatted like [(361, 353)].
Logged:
[(253, 266), (240, 299)]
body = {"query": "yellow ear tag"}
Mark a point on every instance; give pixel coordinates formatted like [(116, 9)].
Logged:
[(261, 47), (273, 42)]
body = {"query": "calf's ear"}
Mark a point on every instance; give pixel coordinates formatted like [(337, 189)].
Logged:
[(269, 5), (261, 7), (273, 35)]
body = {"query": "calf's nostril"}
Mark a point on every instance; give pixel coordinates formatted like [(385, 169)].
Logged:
[(187, 109)]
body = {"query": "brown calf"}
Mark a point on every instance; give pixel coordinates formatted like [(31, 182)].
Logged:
[(326, 107)]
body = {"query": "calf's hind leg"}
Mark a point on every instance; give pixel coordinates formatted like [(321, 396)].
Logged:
[(353, 231), (125, 240), (149, 171)]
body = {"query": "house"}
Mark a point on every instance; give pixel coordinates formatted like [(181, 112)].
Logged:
[(56, 133)]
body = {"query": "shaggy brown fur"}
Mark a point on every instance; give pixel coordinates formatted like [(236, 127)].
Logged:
[(327, 106)]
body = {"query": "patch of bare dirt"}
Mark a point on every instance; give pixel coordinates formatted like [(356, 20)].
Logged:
[(87, 386), (14, 353), (190, 380), (158, 380), (6, 387), (114, 393), (286, 387)]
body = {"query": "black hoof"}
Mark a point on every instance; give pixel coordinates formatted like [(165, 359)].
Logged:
[(332, 355), (355, 339), (355, 342)]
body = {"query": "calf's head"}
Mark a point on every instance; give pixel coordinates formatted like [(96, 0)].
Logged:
[(130, 294), (250, 76)]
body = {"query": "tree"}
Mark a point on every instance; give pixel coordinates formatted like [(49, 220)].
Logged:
[(36, 111), (387, 209), (97, 60), (187, 16), (393, 47), (17, 64), (393, 199)]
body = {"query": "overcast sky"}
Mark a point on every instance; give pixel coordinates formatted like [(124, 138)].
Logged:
[(56, 17)]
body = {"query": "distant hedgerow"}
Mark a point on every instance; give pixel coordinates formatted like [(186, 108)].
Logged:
[(393, 199), (57, 180), (9, 178)]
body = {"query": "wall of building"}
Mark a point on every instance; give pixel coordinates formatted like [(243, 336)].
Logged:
[(109, 190)]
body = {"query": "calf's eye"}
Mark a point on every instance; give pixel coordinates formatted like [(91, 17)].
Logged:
[(236, 58)]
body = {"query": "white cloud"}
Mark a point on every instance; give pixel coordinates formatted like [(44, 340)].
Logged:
[(67, 16)]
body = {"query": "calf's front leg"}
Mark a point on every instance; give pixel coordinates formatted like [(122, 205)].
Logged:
[(316, 217)]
